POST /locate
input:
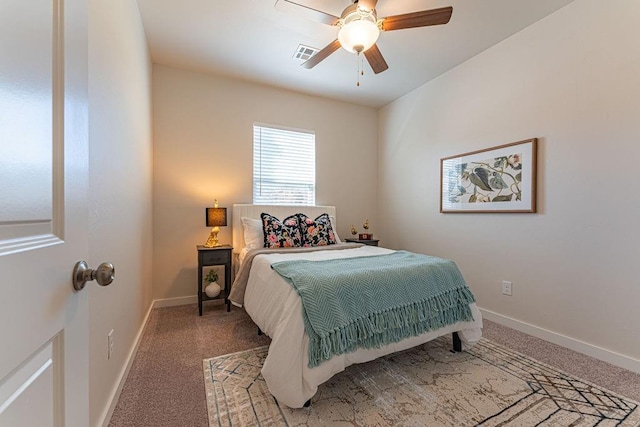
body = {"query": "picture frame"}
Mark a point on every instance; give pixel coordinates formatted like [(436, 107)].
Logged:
[(499, 179)]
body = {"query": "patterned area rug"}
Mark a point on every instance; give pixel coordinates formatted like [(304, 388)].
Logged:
[(488, 385)]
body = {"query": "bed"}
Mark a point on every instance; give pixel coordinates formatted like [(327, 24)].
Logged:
[(276, 308)]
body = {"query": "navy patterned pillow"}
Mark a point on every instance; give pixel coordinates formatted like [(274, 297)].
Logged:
[(281, 234), (316, 232)]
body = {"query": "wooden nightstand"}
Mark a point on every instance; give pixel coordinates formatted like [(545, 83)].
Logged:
[(219, 255), (372, 242)]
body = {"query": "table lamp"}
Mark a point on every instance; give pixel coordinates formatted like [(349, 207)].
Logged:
[(216, 217)]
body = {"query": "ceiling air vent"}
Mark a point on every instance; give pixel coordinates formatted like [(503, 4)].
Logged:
[(304, 52)]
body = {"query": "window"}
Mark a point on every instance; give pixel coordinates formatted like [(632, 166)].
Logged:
[(284, 166)]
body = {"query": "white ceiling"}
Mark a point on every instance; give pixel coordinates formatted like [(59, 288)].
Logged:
[(251, 40)]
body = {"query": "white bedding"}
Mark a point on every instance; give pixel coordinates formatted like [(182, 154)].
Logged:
[(276, 308), (242, 255)]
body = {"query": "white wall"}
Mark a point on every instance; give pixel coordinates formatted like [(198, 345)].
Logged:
[(571, 80), (120, 160), (203, 142)]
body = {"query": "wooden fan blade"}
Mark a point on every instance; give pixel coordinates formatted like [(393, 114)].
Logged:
[(375, 59), (321, 55), (417, 19), (367, 4), (289, 6)]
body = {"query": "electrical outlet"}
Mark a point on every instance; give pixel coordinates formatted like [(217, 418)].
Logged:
[(506, 288), (110, 344)]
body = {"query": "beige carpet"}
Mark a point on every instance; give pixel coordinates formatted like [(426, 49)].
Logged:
[(488, 385)]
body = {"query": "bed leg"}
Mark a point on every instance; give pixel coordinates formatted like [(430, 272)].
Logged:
[(307, 403), (259, 331), (457, 344)]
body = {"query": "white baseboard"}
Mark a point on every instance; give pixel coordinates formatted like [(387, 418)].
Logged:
[(125, 371), (600, 353), (170, 302)]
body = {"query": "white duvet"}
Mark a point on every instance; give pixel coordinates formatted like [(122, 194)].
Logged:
[(276, 308)]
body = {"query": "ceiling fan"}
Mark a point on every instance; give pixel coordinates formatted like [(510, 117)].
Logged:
[(360, 27)]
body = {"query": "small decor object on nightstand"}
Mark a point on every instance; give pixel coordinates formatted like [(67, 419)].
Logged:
[(365, 238), (216, 217), (366, 235), (213, 289)]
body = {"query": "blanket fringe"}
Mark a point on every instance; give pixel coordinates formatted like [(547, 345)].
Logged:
[(391, 325)]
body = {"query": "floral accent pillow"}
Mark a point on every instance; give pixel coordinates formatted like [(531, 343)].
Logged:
[(317, 232), (281, 234)]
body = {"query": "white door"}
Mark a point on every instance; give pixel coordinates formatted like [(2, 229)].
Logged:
[(43, 212)]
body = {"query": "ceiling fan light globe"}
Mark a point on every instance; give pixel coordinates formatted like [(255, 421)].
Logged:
[(358, 36)]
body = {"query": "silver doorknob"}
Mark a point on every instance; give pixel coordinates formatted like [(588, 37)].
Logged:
[(104, 274)]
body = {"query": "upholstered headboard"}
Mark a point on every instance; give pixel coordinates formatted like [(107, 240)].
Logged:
[(254, 211)]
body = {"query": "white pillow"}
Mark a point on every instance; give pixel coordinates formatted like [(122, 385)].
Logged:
[(253, 234), (335, 230)]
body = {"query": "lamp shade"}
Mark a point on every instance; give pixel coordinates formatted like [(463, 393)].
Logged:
[(358, 35), (216, 217)]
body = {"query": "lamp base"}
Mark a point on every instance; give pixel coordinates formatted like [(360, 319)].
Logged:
[(212, 241)]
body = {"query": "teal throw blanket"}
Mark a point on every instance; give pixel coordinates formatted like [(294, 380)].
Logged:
[(372, 301)]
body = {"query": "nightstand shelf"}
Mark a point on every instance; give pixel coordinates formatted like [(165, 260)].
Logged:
[(207, 257), (372, 242)]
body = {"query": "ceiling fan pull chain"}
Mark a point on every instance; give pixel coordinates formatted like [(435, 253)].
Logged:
[(359, 61)]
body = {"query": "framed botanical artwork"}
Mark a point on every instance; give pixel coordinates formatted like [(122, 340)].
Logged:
[(496, 179)]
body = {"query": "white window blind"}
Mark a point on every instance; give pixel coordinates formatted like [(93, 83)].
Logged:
[(284, 166)]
